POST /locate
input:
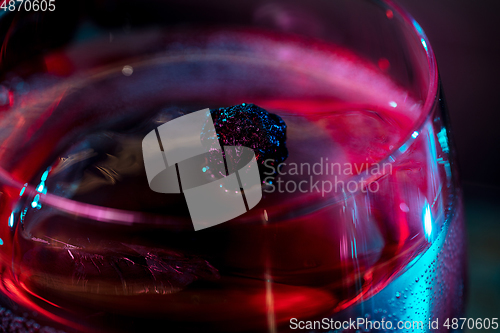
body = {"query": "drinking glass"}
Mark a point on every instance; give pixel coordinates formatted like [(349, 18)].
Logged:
[(357, 212)]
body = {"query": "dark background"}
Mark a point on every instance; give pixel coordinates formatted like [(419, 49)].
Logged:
[(465, 36)]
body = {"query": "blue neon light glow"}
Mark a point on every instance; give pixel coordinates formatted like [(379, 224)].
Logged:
[(418, 27), (11, 220), (424, 44), (427, 221)]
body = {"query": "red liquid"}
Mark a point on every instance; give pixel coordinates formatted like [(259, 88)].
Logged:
[(302, 255)]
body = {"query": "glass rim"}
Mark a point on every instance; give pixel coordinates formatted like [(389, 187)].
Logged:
[(125, 217)]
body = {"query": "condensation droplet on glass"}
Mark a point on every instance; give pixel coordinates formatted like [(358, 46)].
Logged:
[(398, 294), (127, 70)]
